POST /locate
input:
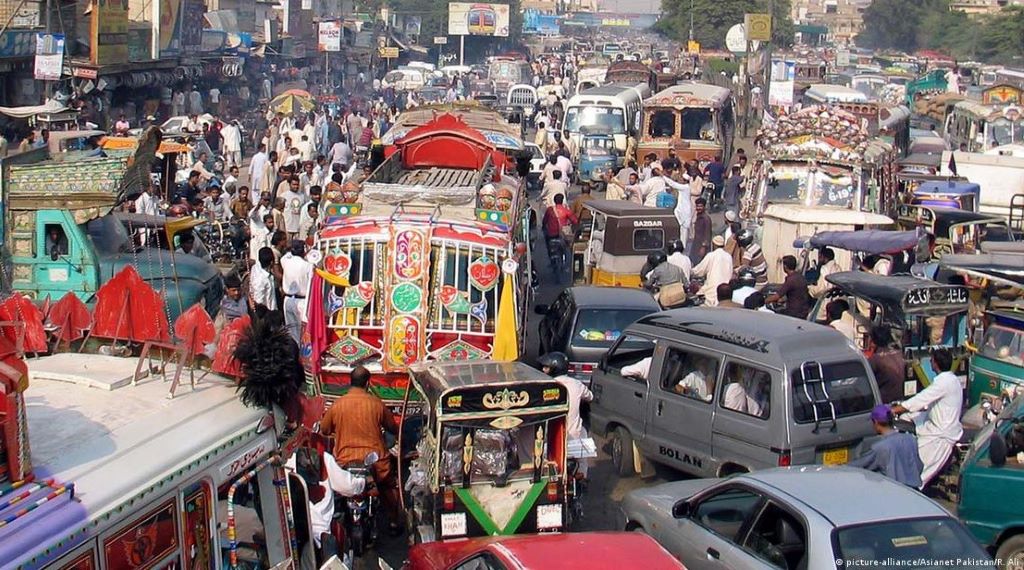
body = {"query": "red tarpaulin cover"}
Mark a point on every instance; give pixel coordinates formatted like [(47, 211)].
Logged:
[(194, 328), (71, 316), (224, 362), (18, 308), (127, 308)]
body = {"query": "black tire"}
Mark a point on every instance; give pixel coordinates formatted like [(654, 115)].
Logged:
[(1010, 553), (622, 452)]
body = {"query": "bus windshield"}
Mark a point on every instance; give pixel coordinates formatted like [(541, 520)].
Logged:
[(612, 121), (1002, 131)]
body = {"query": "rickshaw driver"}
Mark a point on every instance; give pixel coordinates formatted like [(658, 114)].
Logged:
[(357, 421)]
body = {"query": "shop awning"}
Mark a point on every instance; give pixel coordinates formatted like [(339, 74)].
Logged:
[(50, 107)]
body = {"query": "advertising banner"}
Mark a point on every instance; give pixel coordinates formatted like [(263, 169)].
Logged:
[(169, 28), (109, 26), (465, 19), (192, 15), (329, 36), (780, 92), (536, 22), (759, 27), (49, 56)]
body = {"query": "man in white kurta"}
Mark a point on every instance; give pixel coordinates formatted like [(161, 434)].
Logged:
[(715, 268), (939, 429), (296, 274)]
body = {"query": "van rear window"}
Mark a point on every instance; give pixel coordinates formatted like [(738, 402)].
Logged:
[(846, 386)]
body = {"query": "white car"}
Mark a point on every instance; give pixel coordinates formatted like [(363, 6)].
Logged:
[(405, 79), (801, 518), (537, 161)]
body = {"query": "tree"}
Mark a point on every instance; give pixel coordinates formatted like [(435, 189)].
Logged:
[(713, 18), (893, 24)]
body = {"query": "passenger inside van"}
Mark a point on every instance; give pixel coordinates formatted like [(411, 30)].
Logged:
[(691, 375), (747, 390)]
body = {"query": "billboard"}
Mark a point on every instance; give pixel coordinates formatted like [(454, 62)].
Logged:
[(169, 28), (466, 19), (782, 87), (329, 38), (193, 16), (109, 27), (536, 22), (49, 56)]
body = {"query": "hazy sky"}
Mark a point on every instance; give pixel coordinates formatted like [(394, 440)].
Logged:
[(640, 6)]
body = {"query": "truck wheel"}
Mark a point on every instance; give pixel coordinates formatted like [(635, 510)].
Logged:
[(622, 452), (1011, 552)]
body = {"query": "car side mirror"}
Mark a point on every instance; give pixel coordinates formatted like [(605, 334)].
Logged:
[(541, 309), (681, 509), (997, 450), (54, 253)]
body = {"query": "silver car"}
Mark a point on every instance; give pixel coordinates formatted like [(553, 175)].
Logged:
[(810, 517)]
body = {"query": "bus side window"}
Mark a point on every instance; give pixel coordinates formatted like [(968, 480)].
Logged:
[(197, 527)]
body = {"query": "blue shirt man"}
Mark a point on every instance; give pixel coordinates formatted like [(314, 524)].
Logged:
[(895, 454)]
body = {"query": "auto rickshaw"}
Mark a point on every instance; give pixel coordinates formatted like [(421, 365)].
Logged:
[(955, 231), (914, 309), (997, 366), (959, 195), (485, 452), (596, 155), (612, 249)]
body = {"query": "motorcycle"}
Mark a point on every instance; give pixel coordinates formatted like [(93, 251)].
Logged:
[(577, 486), (945, 484), (359, 512)]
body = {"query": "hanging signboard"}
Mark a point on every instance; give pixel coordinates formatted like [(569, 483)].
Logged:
[(109, 27), (440, 40), (49, 56), (389, 52), (759, 27)]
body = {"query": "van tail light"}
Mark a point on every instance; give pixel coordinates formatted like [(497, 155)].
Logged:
[(552, 490), (785, 458), (580, 368), (449, 499)]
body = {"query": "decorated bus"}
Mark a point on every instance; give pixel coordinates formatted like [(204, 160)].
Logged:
[(426, 260)]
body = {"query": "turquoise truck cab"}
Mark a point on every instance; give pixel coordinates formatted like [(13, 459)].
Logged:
[(60, 235), (992, 491), (998, 365)]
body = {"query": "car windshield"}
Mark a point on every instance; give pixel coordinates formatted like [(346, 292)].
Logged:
[(599, 328), (914, 543), (846, 386), (108, 235), (1004, 344), (612, 121)]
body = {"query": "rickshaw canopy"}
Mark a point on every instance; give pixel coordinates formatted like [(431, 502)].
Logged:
[(948, 187), (868, 241), (902, 296), (487, 387), (941, 220), (623, 221), (1001, 268)]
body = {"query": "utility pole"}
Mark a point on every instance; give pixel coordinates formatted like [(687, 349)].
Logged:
[(768, 55), (48, 88)]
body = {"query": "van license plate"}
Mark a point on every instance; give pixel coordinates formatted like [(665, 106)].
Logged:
[(836, 456)]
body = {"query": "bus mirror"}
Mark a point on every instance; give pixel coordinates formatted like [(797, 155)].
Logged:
[(997, 450)]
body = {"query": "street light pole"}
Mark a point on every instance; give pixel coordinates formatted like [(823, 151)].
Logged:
[(691, 20)]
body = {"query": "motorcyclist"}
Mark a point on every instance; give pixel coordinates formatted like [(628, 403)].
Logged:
[(752, 259), (940, 428), (658, 272), (677, 256), (357, 421), (746, 284), (556, 365)]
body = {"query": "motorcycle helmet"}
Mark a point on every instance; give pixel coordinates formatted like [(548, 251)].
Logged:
[(556, 361), (677, 246), (746, 277), (745, 238), (657, 258)]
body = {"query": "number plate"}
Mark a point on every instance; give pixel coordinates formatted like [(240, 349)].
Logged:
[(453, 524), (836, 456), (549, 516)]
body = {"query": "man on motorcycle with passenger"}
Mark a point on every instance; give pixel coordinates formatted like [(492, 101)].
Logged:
[(357, 421), (939, 429)]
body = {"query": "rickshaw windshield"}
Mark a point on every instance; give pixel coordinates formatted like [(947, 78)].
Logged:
[(496, 453), (1004, 344)]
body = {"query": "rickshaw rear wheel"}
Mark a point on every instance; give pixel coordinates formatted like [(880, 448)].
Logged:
[(622, 452)]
